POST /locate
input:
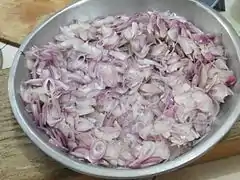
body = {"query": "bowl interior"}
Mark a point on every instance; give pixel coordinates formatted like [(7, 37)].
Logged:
[(200, 15)]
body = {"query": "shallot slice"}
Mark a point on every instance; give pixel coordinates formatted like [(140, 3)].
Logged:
[(97, 150), (127, 91)]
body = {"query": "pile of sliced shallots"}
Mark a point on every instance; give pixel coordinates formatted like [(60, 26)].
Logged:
[(127, 91)]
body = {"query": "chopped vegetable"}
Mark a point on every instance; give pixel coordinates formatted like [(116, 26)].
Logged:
[(124, 90)]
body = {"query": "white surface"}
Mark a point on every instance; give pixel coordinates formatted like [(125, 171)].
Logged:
[(8, 55), (1, 45), (226, 169)]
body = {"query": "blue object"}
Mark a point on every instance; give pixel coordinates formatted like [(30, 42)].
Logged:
[(218, 5), (211, 3)]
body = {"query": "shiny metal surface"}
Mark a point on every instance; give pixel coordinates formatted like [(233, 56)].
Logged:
[(202, 15)]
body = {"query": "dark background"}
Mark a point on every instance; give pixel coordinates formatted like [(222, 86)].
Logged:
[(219, 5)]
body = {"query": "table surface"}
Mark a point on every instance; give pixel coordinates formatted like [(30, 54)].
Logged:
[(19, 158), (19, 17)]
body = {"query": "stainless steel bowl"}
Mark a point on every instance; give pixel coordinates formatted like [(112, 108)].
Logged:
[(203, 16)]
